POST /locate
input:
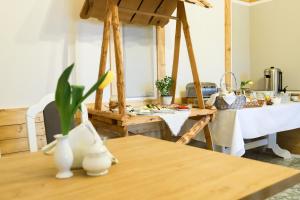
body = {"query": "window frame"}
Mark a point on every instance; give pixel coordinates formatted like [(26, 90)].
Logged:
[(112, 64)]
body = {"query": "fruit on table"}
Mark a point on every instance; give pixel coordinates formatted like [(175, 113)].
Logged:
[(151, 107), (182, 107), (268, 100)]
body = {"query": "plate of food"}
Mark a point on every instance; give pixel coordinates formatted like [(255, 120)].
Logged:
[(144, 112), (183, 108), (164, 110)]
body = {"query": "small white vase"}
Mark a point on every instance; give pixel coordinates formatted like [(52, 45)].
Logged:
[(166, 100), (63, 157), (97, 161)]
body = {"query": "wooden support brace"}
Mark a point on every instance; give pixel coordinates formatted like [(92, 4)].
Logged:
[(183, 17), (119, 58), (176, 56), (104, 51), (181, 9), (193, 132)]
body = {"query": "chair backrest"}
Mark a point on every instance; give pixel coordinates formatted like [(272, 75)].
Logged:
[(51, 120)]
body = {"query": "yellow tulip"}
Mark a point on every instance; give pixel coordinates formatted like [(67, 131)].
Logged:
[(108, 79)]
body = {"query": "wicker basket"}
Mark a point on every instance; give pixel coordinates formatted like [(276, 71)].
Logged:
[(239, 103)]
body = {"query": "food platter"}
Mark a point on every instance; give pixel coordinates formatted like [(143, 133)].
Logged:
[(151, 109)]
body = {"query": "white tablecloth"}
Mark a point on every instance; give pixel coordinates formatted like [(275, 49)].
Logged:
[(231, 127), (175, 120)]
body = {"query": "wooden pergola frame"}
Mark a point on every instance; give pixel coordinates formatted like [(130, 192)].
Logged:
[(121, 121)]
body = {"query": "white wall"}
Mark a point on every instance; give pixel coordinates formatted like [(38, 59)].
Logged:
[(275, 40), (39, 38), (208, 36), (241, 41), (33, 49)]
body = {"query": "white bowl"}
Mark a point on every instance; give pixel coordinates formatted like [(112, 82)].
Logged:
[(276, 100)]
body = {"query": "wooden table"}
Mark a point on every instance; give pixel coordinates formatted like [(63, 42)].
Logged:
[(148, 169), (114, 122), (261, 125)]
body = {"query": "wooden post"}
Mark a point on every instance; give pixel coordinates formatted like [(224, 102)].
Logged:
[(104, 51), (181, 9), (176, 56), (165, 131), (228, 80), (160, 54), (119, 58)]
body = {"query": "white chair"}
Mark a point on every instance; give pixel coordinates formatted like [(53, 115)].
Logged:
[(37, 108)]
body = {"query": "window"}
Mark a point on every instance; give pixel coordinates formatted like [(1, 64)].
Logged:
[(139, 44)]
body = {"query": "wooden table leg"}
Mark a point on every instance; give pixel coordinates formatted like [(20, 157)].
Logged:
[(208, 138), (125, 131), (165, 132)]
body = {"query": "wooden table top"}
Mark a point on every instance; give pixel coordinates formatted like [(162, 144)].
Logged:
[(128, 120), (148, 169), (140, 119)]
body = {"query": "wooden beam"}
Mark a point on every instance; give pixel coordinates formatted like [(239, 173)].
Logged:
[(161, 54), (186, 30), (202, 3), (147, 6), (189, 45), (119, 58), (104, 51), (176, 56), (146, 13), (228, 67)]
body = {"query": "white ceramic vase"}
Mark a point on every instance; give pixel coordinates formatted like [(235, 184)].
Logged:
[(97, 161), (166, 100), (63, 157)]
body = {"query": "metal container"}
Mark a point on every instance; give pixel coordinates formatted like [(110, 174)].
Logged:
[(273, 80), (207, 89)]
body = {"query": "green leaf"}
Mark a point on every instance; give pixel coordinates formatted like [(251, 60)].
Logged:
[(63, 99), (77, 93), (91, 90), (69, 98), (164, 85), (63, 89)]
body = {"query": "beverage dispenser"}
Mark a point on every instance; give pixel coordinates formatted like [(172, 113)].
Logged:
[(273, 80)]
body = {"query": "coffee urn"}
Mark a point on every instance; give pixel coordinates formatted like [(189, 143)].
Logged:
[(273, 80)]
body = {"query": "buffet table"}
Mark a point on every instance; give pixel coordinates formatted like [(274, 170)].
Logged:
[(114, 122), (231, 127)]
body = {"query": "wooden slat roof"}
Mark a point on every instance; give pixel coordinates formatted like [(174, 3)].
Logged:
[(96, 9)]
